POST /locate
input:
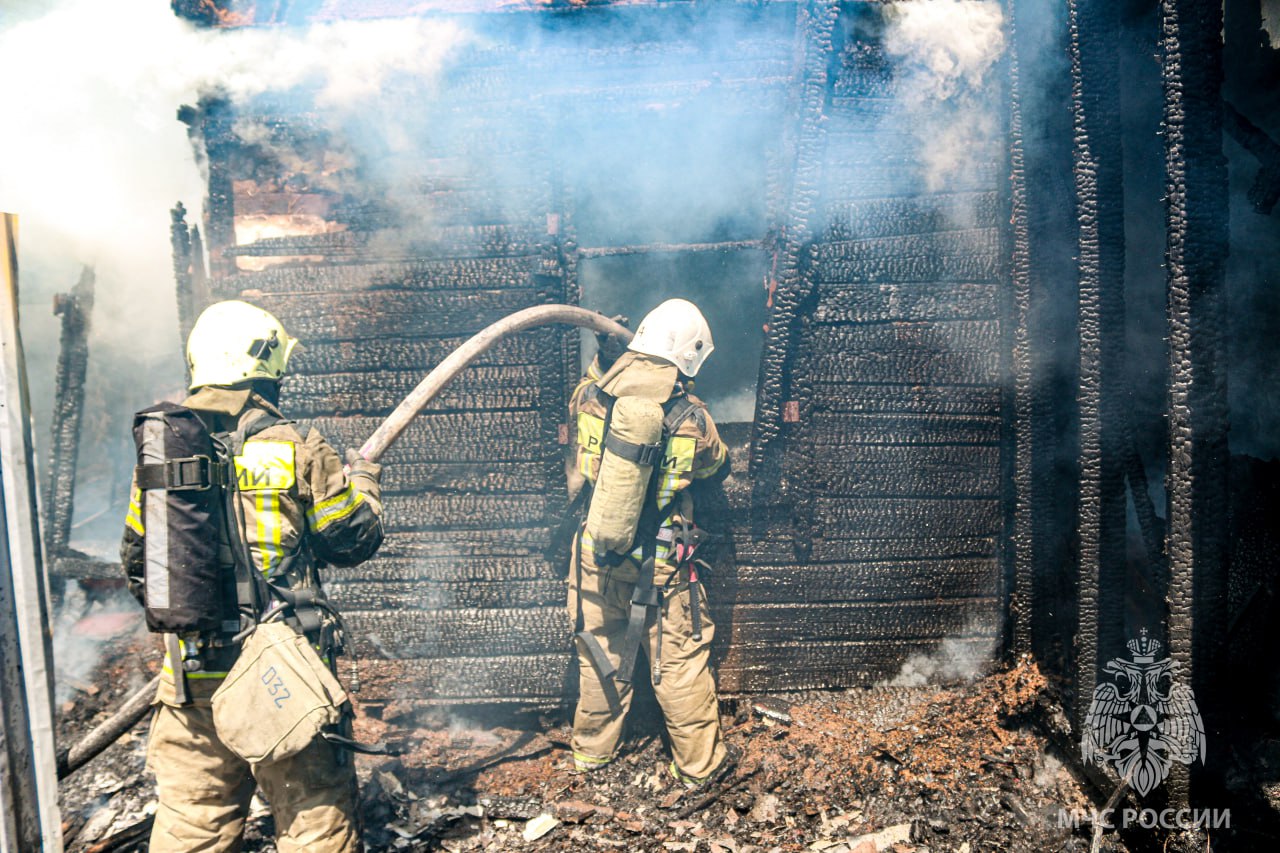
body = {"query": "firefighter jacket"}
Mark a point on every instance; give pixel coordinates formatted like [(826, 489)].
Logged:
[(299, 508), (694, 452)]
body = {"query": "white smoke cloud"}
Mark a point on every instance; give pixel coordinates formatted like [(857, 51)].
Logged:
[(960, 658), (92, 158), (945, 50)]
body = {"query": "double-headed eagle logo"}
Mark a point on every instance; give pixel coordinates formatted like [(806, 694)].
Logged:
[(1143, 720)]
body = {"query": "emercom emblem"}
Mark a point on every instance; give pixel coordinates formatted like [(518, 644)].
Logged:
[(1143, 720)]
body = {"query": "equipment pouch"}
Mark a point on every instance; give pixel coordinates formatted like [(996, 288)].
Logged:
[(277, 697)]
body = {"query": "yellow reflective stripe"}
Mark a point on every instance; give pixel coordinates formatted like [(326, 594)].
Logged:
[(335, 508), (133, 520), (679, 454), (266, 506), (589, 759), (168, 670)]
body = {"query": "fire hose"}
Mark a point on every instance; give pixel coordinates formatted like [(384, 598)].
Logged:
[(137, 705)]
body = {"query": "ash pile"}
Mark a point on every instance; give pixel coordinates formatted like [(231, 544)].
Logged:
[(901, 766)]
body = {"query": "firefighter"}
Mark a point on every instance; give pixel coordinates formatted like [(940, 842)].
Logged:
[(298, 509), (641, 598)]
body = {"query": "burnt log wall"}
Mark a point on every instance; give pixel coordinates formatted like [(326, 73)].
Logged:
[(864, 521)]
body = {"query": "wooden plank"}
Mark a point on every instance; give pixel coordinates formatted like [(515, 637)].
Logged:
[(29, 777), (912, 366), (888, 217), (897, 398), (475, 477), (905, 471), (881, 580), (833, 432), (443, 633), (420, 594), (906, 301), (906, 545), (476, 388), (975, 267), (358, 316), (927, 336), (328, 279), (449, 437), (421, 354), (879, 518), (463, 511)]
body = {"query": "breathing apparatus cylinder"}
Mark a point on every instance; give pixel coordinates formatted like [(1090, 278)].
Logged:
[(632, 446), (178, 474)]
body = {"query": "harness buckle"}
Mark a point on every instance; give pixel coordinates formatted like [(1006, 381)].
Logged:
[(190, 473)]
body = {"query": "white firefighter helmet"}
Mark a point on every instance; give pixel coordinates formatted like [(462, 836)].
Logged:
[(233, 342), (675, 331)]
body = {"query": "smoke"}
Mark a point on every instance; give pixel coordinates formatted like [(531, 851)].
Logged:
[(92, 159), (960, 658), (945, 52)]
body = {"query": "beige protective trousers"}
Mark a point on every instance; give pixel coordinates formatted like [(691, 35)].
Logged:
[(686, 691), (205, 788)]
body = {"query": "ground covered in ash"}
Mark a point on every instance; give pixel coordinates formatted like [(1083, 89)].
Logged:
[(958, 767)]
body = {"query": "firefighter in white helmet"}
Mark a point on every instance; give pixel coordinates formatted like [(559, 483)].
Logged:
[(641, 439), (293, 508)]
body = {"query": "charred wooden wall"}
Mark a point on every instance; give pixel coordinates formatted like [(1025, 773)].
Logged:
[(865, 517)]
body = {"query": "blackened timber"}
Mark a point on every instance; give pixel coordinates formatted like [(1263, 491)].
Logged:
[(1197, 235), (940, 336), (476, 478), (1021, 535), (652, 248), (508, 677), (427, 544), (456, 273), (823, 666), (404, 352), (979, 241), (212, 126), (857, 518), (446, 632), (896, 397), (907, 179), (902, 544), (184, 285), (970, 367), (894, 217), (909, 471), (476, 388), (1098, 170), (407, 594), (974, 267), (884, 581), (458, 241), (435, 511), (831, 432), (361, 315), (815, 24), (448, 436), (76, 311), (445, 570), (907, 301)]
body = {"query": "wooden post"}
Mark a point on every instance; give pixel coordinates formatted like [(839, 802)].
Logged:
[(28, 770)]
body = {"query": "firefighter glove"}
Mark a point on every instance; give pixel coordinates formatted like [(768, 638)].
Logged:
[(363, 469), (610, 347)]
